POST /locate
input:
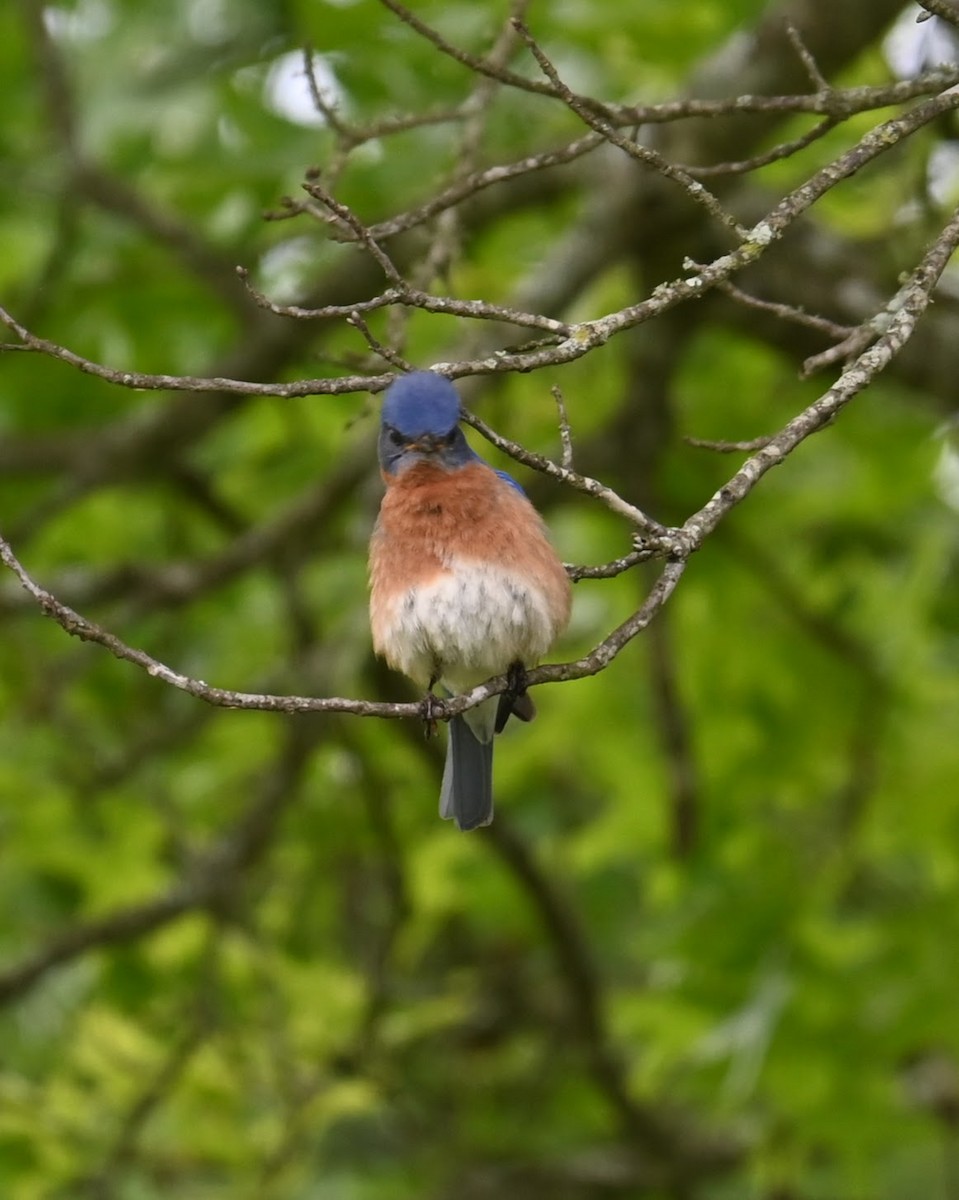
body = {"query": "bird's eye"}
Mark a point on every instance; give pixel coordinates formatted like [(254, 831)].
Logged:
[(450, 438), (396, 437)]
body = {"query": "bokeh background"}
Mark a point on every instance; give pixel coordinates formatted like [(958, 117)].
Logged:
[(709, 948)]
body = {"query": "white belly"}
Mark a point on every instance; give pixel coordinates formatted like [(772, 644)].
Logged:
[(466, 626)]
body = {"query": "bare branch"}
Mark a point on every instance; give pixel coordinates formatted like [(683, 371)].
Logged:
[(581, 338), (785, 312), (834, 101), (940, 8), (342, 215), (88, 631), (412, 297), (816, 77), (569, 343), (641, 153), (728, 447), (777, 153), (327, 111), (385, 352), (477, 181), (846, 350), (580, 483), (839, 103), (479, 66), (609, 570), (565, 436), (913, 299)]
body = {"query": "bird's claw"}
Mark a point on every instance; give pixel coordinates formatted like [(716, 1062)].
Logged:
[(516, 674), (432, 710), (515, 699)]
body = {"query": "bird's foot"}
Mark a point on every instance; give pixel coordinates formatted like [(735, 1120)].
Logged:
[(514, 700), (516, 674), (432, 710)]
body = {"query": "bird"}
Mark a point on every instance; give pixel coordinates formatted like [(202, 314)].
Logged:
[(464, 582)]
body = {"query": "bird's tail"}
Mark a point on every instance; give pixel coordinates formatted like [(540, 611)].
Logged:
[(467, 793)]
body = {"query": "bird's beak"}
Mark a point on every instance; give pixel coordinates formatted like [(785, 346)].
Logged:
[(426, 443)]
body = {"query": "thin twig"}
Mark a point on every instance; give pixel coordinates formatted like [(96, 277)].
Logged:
[(835, 102), (327, 111), (385, 352), (608, 570), (580, 483), (412, 297), (582, 338), (342, 215), (728, 447), (816, 77), (565, 436), (838, 104), (757, 161), (641, 153), (597, 659), (479, 66), (912, 300), (843, 352), (786, 312), (477, 181)]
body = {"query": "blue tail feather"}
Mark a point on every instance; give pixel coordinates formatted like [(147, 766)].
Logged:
[(467, 792)]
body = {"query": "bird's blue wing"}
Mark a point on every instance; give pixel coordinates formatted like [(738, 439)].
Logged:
[(504, 475)]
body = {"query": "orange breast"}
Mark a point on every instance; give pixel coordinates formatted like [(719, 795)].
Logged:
[(431, 520)]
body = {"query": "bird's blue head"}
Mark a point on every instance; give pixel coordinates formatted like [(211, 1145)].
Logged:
[(420, 423)]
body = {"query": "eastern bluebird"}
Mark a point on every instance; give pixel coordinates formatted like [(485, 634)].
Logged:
[(464, 582)]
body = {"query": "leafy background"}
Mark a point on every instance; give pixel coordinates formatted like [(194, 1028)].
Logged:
[(709, 946)]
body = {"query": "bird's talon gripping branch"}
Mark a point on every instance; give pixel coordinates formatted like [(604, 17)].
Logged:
[(432, 710), (516, 674), (515, 701)]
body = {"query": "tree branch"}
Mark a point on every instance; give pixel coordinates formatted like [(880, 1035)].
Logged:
[(941, 8), (912, 301)]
